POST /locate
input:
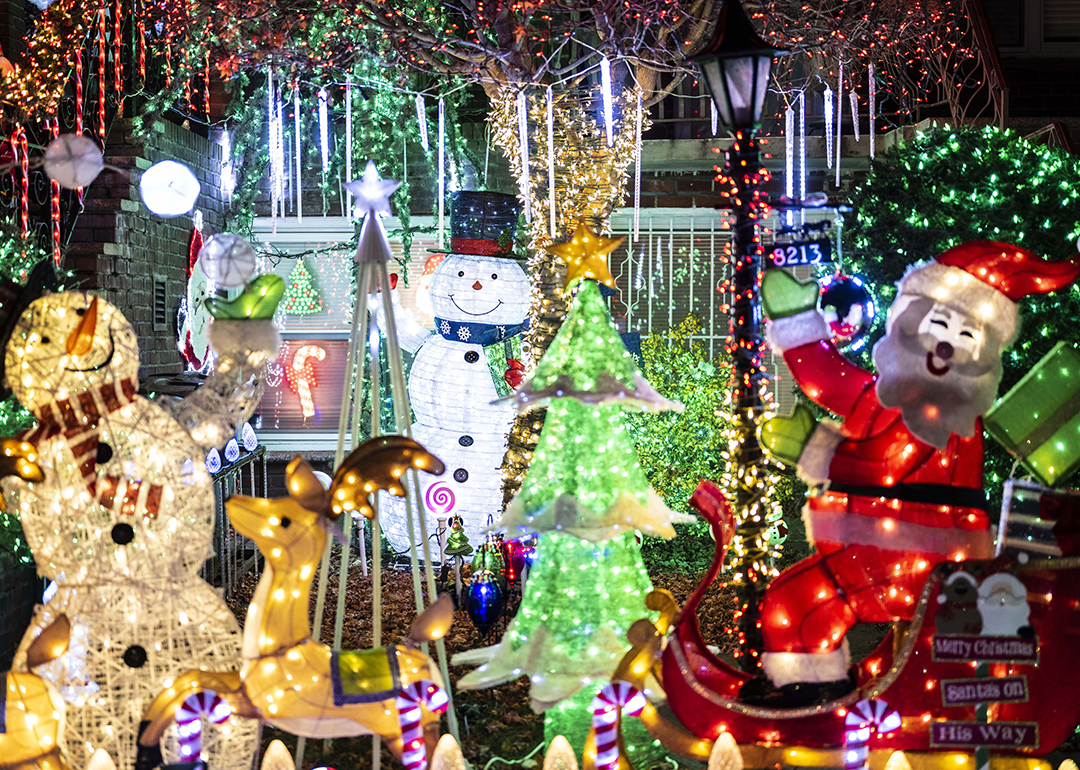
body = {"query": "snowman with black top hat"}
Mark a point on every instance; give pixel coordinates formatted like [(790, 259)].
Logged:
[(480, 296)]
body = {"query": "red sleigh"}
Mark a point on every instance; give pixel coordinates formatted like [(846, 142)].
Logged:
[(904, 671)]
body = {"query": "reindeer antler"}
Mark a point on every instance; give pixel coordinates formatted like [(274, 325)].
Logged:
[(378, 463)]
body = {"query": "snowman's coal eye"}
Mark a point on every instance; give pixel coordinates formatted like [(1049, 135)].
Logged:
[(286, 522), (45, 340), (80, 311), (494, 276), (460, 273)]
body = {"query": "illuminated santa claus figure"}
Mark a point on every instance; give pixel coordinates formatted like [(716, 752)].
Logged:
[(898, 485)]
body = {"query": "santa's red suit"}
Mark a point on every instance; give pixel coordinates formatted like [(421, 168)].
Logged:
[(893, 506), (881, 526)]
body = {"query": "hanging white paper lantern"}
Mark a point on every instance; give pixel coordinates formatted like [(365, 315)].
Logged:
[(73, 161), (228, 260), (169, 189)]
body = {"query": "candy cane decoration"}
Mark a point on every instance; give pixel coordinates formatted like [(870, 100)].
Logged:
[(189, 720), (302, 376), (605, 720), (409, 700), (864, 717)]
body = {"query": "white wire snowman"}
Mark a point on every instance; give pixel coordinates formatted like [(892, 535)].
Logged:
[(125, 515), (480, 295)]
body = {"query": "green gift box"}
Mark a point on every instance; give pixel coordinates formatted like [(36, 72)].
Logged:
[(1038, 420)]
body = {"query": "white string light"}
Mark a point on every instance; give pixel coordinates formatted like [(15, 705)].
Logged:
[(348, 139), (714, 119), (228, 170), (828, 126), (789, 159), (802, 152), (549, 103), (605, 88), (855, 112), (637, 167), (839, 118), (523, 148), (873, 107), (324, 132), (421, 120), (442, 168), (299, 161)]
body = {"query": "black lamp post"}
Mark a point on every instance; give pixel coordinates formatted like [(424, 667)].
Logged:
[(736, 65)]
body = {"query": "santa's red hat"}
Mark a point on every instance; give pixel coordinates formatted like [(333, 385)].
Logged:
[(986, 279)]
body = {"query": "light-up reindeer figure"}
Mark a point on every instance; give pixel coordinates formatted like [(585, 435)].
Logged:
[(32, 710), (289, 680)]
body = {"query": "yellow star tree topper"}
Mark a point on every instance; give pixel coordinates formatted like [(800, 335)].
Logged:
[(586, 255)]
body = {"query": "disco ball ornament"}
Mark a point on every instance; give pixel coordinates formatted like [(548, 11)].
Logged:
[(73, 161), (228, 260), (484, 602), (848, 309), (169, 189)]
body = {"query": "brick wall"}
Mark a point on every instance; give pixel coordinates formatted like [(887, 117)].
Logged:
[(118, 247), (15, 20)]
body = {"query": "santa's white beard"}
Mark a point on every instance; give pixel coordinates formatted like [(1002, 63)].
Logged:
[(934, 406)]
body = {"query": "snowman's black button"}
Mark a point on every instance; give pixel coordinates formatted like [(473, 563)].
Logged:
[(122, 533), (461, 475), (465, 440), (104, 452), (472, 357), (135, 656)]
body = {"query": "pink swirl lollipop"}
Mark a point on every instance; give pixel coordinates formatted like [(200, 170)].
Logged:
[(439, 499)]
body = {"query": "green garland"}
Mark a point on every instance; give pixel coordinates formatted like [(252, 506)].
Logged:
[(948, 187)]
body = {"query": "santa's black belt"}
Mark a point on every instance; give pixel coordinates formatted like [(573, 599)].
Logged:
[(931, 494)]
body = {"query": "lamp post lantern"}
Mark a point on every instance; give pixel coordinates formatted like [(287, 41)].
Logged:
[(736, 65)]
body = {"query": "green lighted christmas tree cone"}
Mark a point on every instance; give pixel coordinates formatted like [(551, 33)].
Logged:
[(302, 296), (585, 495)]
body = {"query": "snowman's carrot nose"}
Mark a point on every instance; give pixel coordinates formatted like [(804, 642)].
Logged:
[(82, 339), (478, 286)]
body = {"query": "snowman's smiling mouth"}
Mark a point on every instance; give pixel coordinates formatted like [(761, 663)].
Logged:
[(103, 364), (466, 312)]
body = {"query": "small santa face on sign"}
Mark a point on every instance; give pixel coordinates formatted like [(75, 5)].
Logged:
[(480, 289)]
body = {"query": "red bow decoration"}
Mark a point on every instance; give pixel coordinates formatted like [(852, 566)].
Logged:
[(515, 372)]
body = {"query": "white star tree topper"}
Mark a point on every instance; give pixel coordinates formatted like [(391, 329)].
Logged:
[(372, 192)]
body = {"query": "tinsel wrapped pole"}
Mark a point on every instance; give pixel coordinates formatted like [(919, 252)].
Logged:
[(746, 345)]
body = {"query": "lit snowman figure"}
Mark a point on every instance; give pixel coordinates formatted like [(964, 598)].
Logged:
[(480, 298), (123, 520)]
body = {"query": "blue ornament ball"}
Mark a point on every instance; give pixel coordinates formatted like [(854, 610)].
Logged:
[(484, 602)]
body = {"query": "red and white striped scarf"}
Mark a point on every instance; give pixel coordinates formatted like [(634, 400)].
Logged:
[(77, 420)]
